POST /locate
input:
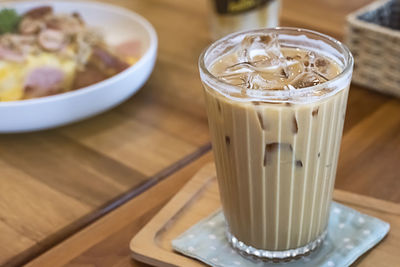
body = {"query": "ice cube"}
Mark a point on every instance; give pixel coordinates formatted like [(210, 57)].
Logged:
[(307, 79), (237, 74), (259, 62), (260, 50), (309, 59), (258, 82), (292, 70), (239, 78), (260, 65), (321, 65), (241, 67)]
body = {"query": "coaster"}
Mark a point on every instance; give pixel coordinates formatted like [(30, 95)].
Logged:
[(350, 234)]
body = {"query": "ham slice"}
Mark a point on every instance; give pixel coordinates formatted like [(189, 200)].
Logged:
[(107, 62), (129, 49), (101, 65), (43, 81), (88, 76), (11, 55)]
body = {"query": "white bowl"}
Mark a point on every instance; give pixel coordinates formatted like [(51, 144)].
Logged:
[(117, 24)]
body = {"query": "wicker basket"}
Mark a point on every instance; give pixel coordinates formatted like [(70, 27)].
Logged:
[(373, 36)]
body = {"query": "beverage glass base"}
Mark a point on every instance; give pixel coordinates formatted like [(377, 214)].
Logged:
[(275, 256)]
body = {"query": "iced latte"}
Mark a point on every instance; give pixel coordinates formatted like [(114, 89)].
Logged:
[(276, 102)]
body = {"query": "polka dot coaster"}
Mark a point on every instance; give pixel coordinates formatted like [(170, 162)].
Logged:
[(350, 234)]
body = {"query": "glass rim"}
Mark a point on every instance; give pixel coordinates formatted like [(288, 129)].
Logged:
[(279, 95)]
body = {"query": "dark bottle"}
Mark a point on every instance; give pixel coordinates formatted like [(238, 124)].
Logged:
[(236, 15)]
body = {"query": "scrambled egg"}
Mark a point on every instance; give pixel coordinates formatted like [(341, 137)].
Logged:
[(131, 60), (13, 74)]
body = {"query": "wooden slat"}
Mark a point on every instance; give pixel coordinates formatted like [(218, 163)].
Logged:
[(199, 198), (122, 222), (106, 242), (366, 201), (16, 242), (49, 212), (164, 117), (68, 167), (361, 104), (138, 146), (370, 154), (184, 90)]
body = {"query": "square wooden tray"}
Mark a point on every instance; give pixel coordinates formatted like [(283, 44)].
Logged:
[(199, 198)]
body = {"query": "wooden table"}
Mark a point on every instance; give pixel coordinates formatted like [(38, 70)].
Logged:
[(55, 185)]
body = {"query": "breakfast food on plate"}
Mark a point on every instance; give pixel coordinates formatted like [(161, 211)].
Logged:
[(44, 53)]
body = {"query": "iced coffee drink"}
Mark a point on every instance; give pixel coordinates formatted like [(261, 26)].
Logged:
[(276, 102)]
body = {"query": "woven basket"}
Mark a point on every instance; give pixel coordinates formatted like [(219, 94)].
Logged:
[(373, 36)]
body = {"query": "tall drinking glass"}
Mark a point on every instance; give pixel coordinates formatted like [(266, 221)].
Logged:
[(276, 151)]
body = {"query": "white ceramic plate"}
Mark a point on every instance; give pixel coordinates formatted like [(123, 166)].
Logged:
[(117, 24)]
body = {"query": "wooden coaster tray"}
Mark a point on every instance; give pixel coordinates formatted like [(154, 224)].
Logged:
[(199, 198)]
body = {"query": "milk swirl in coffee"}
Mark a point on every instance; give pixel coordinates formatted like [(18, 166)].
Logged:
[(275, 155)]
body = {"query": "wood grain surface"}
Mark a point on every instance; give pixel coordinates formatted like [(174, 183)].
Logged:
[(54, 183), (199, 198), (106, 241)]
